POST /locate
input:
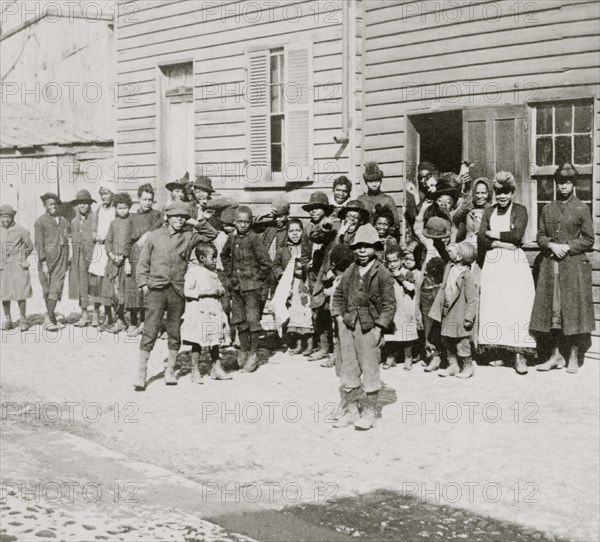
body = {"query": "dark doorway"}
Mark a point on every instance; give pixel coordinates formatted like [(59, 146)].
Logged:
[(440, 138)]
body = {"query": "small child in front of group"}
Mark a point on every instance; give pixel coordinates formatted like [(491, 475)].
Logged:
[(430, 285), (407, 320), (455, 307), (204, 321)]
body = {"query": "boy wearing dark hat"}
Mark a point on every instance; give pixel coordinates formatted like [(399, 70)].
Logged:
[(247, 262), (82, 251), (15, 282), (374, 198), (364, 306), (52, 247), (455, 307), (160, 274), (202, 189)]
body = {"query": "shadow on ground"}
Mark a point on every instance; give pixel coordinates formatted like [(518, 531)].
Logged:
[(381, 516)]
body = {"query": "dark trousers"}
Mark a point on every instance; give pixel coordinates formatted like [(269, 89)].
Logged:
[(246, 309), (156, 302)]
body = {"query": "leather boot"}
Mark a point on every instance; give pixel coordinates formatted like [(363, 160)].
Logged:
[(252, 363), (294, 344), (140, 382), (244, 352), (170, 376), (408, 359), (308, 349), (217, 372), (349, 408), (196, 376), (556, 361), (468, 369), (434, 364), (323, 351), (369, 412), (521, 365), (453, 368), (573, 366)]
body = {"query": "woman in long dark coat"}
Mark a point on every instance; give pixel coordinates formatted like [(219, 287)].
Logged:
[(563, 311)]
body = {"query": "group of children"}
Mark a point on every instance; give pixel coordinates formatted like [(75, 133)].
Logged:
[(341, 286)]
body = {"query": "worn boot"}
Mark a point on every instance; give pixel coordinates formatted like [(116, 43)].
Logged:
[(244, 352), (196, 376), (521, 365), (349, 408), (170, 376), (252, 363), (294, 344), (369, 412), (468, 369), (217, 372), (573, 366), (556, 361), (408, 359), (323, 351), (453, 368), (308, 349), (140, 382), (84, 320), (434, 364)]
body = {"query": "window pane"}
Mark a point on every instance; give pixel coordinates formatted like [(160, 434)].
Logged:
[(583, 149), (545, 189), (583, 118), (274, 69), (276, 158), (584, 188), (563, 150), (544, 119), (564, 117), (275, 99), (276, 129), (543, 151)]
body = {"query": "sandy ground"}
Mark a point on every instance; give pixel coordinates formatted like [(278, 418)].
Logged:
[(520, 449)]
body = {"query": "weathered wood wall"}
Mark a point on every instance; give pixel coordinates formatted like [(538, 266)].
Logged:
[(216, 37)]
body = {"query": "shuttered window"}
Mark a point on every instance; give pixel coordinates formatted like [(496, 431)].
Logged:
[(280, 120)]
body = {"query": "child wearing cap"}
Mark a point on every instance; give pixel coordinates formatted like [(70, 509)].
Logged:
[(82, 248), (247, 262), (363, 306), (52, 247), (160, 274), (455, 307), (15, 281), (374, 198)]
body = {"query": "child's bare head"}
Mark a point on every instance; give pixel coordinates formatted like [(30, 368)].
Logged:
[(243, 219), (393, 258), (206, 253)]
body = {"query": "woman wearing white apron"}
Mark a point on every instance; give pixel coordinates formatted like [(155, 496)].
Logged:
[(507, 289), (103, 216)]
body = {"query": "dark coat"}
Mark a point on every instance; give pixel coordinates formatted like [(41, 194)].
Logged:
[(247, 262), (82, 239), (284, 255), (380, 306), (52, 241), (463, 308), (568, 222), (518, 225)]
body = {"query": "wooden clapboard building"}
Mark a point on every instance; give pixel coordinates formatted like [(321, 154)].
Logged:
[(263, 97), (272, 98)]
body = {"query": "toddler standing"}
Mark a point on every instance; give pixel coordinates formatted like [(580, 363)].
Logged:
[(204, 321), (407, 318)]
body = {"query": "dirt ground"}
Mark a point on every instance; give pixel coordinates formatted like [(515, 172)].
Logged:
[(523, 450)]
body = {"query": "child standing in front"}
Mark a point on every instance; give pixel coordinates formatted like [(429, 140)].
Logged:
[(247, 262), (407, 317), (455, 307), (364, 306), (204, 320), (119, 271)]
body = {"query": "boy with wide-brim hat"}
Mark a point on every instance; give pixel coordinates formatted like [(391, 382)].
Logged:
[(160, 275), (15, 281), (52, 247), (201, 191), (82, 247), (364, 306)]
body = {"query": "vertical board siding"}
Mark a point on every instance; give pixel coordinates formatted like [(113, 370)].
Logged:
[(428, 56)]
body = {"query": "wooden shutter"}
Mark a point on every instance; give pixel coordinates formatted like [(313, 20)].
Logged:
[(298, 140), (496, 139), (259, 125)]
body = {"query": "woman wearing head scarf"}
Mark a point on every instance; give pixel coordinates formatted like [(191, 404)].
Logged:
[(563, 312), (507, 288)]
